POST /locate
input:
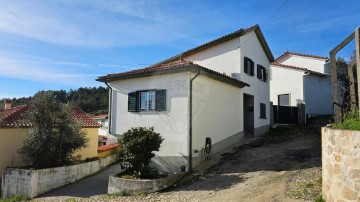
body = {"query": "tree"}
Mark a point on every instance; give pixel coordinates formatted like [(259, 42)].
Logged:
[(54, 136)]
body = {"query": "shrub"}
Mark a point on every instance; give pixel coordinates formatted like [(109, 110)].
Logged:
[(351, 121), (54, 136), (139, 145)]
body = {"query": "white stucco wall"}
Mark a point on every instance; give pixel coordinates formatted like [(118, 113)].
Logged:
[(172, 124), (286, 81), (228, 58), (313, 64), (318, 95), (103, 130), (217, 112)]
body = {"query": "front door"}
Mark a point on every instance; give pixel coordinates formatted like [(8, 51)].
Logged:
[(248, 115)]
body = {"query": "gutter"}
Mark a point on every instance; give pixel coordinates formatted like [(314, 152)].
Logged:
[(190, 120), (110, 104)]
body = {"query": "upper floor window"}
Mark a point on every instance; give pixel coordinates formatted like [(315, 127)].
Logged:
[(261, 73), (248, 66), (151, 100), (284, 100)]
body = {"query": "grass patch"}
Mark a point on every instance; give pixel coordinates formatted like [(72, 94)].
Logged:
[(116, 195), (308, 191), (15, 199), (351, 121)]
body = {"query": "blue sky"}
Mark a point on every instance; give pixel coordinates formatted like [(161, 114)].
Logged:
[(67, 44)]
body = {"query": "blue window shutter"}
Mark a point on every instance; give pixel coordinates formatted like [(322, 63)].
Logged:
[(160, 103), (132, 104)]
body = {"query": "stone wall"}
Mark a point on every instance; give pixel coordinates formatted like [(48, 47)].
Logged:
[(340, 165), (31, 183)]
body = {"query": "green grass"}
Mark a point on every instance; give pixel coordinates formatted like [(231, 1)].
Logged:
[(351, 121), (15, 199), (308, 190)]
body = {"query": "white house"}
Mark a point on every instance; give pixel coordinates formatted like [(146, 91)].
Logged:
[(302, 79), (218, 90)]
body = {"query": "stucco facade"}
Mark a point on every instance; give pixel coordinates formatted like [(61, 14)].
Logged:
[(12, 139), (216, 71), (305, 79)]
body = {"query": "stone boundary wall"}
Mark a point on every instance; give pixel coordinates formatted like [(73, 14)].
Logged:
[(31, 183), (130, 186), (340, 164)]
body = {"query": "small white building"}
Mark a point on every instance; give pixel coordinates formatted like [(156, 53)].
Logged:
[(218, 90), (104, 138), (302, 79)]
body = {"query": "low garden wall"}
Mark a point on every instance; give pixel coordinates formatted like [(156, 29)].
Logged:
[(130, 186), (340, 164), (31, 183)]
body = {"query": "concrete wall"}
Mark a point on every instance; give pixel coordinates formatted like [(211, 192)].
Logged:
[(12, 139), (314, 64), (31, 183), (218, 114), (318, 95), (340, 165), (228, 58), (286, 81)]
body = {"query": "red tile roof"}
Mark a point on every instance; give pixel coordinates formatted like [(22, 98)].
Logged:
[(107, 147), (17, 117), (299, 54), (299, 68), (177, 65), (101, 116)]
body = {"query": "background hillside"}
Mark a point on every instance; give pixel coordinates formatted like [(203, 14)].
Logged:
[(93, 100)]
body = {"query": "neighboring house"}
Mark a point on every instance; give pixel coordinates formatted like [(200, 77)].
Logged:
[(104, 137), (13, 133), (218, 90), (302, 79)]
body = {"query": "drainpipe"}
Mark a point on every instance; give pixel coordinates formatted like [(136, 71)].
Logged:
[(110, 104), (190, 121)]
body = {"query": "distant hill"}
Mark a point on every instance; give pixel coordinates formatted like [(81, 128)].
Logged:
[(93, 100)]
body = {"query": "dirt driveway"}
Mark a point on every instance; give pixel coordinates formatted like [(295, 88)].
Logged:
[(284, 166)]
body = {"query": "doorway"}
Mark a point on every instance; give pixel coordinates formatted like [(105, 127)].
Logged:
[(248, 115)]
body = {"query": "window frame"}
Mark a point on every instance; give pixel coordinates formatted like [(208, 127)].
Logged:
[(263, 73), (262, 111), (289, 99), (249, 70), (155, 101), (147, 100)]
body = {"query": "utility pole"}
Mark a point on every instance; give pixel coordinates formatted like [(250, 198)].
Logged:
[(357, 41)]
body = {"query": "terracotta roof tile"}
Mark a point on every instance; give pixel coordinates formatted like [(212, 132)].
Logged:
[(167, 66), (107, 147), (101, 116), (16, 117), (299, 68), (298, 54)]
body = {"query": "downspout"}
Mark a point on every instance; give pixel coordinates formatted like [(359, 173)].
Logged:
[(190, 121), (110, 104)]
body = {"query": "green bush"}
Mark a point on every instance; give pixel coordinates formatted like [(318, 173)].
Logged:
[(139, 145), (351, 121)]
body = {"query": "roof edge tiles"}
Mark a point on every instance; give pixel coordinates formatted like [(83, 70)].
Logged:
[(299, 54), (174, 67), (299, 68)]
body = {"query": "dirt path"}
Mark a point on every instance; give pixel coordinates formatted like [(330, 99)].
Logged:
[(282, 167)]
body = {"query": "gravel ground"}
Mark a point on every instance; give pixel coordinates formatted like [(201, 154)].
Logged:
[(284, 166)]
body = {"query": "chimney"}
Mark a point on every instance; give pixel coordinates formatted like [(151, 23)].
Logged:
[(7, 104)]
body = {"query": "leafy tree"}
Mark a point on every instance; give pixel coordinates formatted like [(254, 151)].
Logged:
[(54, 136), (139, 145)]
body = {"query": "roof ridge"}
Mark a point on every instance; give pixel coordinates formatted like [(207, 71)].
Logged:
[(290, 66), (299, 54)]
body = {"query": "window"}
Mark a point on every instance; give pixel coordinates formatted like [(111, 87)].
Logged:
[(261, 73), (248, 66), (262, 111), (284, 100), (151, 100)]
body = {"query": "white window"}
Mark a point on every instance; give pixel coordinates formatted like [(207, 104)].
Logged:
[(147, 101)]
